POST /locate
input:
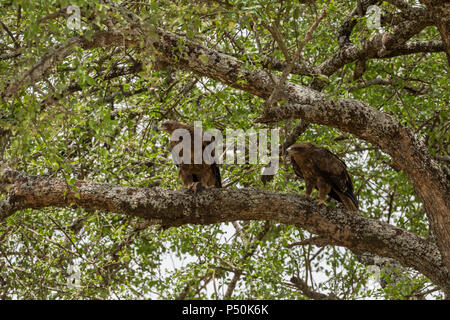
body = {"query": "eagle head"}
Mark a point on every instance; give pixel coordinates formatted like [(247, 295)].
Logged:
[(170, 126), (299, 147)]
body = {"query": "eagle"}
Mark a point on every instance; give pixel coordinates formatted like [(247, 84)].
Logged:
[(193, 176), (323, 170)]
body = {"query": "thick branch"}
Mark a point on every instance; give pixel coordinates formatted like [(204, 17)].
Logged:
[(415, 47), (440, 10), (378, 46), (175, 208)]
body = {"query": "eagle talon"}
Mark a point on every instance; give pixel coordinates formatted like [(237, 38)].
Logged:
[(196, 187), (320, 201)]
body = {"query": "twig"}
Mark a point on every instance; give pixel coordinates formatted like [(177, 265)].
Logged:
[(273, 96), (317, 241), (276, 34), (442, 158), (16, 45), (310, 293)]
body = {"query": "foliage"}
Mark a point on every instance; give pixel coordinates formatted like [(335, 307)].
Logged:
[(101, 126)]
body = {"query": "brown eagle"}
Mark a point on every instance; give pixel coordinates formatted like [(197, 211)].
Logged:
[(323, 170), (193, 176)]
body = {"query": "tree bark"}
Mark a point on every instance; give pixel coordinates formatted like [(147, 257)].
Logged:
[(176, 208)]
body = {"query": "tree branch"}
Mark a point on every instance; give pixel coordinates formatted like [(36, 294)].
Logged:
[(176, 208), (310, 293), (440, 10), (274, 95), (351, 20), (58, 53), (379, 46)]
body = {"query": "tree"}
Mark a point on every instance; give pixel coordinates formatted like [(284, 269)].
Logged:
[(86, 182)]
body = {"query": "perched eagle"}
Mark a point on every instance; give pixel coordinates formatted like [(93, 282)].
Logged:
[(193, 176), (323, 170)]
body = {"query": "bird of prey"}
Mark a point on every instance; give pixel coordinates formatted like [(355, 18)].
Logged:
[(323, 170), (193, 176)]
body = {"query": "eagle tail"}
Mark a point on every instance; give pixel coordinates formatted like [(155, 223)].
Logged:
[(216, 171), (349, 201)]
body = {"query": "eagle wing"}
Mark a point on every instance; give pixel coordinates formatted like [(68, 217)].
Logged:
[(216, 173), (297, 169), (334, 171)]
